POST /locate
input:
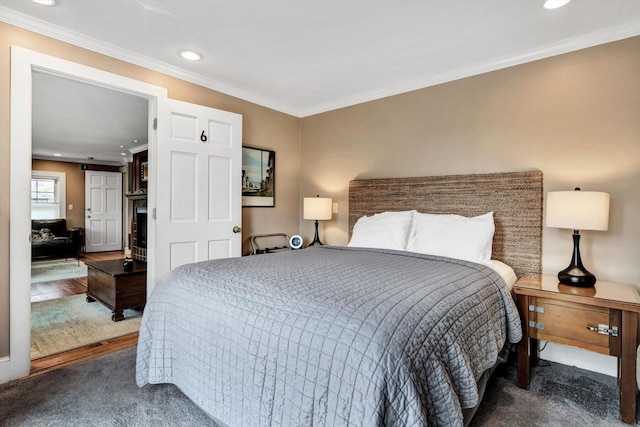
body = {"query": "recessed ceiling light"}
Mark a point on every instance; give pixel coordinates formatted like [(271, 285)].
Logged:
[(123, 154), (554, 4), (190, 55), (121, 146), (45, 2), (57, 154)]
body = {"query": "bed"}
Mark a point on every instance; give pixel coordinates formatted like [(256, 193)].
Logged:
[(350, 335)]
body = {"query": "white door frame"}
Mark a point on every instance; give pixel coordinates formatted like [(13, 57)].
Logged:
[(23, 63)]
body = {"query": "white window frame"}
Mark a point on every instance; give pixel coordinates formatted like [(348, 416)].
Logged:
[(61, 188)]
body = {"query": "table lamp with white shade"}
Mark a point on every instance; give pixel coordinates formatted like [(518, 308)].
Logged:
[(577, 210), (318, 209)]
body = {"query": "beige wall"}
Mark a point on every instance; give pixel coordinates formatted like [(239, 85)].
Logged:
[(262, 127), (576, 117), (74, 190), (75, 185)]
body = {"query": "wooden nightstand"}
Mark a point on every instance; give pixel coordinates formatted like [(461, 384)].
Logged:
[(602, 319)]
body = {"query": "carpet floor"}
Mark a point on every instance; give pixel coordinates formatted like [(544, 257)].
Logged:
[(50, 270), (96, 393), (559, 395), (66, 323), (102, 392)]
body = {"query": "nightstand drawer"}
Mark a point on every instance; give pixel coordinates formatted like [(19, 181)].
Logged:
[(566, 314), (569, 323)]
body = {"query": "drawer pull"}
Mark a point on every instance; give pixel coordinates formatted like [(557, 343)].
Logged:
[(604, 329), (536, 325), (536, 309)]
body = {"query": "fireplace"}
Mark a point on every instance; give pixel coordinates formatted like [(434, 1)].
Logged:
[(141, 226), (139, 249)]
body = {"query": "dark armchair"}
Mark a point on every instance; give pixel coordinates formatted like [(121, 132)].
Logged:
[(50, 238)]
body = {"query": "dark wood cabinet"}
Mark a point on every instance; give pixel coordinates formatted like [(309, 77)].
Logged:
[(117, 289), (137, 194), (138, 173)]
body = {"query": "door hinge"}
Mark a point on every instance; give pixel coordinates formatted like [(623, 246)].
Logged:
[(153, 213), (155, 123), (535, 325), (536, 308), (604, 329)]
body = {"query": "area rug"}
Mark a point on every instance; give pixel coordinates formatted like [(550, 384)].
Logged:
[(57, 269), (66, 323)]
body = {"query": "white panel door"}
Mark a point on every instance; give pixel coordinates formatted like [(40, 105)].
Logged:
[(199, 195), (103, 211)]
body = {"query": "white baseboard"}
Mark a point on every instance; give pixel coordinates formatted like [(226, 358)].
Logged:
[(579, 358), (5, 370)]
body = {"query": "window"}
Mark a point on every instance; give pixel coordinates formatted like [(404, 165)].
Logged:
[(48, 195)]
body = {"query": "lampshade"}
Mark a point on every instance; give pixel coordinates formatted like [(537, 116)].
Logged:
[(578, 210), (318, 208)]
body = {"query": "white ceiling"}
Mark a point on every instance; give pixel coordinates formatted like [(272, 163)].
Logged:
[(83, 123), (304, 57)]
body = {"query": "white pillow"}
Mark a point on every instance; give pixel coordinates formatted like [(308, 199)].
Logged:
[(453, 236), (387, 230)]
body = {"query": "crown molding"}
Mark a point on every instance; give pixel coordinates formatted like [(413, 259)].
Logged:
[(565, 46), (596, 38), (60, 33), (80, 161), (139, 148)]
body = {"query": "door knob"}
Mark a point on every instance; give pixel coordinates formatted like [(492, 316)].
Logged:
[(237, 229)]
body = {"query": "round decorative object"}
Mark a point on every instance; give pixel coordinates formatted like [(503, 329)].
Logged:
[(127, 264), (295, 242)]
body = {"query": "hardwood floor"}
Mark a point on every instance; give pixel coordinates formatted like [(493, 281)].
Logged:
[(101, 256), (58, 289), (68, 287), (49, 363)]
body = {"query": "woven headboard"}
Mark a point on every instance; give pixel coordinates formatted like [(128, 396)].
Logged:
[(514, 197)]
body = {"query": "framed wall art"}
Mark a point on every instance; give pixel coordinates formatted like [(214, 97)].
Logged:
[(258, 177)]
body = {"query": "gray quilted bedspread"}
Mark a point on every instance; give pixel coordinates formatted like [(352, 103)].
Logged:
[(327, 336)]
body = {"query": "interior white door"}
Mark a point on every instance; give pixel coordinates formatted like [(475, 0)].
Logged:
[(103, 211), (198, 176)]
